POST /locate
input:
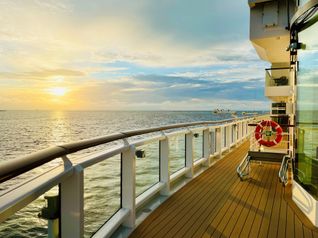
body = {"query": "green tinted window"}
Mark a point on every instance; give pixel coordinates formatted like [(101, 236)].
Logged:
[(306, 169)]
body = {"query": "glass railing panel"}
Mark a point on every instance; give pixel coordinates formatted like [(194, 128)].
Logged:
[(177, 152), (147, 166), (26, 222), (197, 146), (102, 192), (277, 77)]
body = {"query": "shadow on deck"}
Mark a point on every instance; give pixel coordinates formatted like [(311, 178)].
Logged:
[(218, 204)]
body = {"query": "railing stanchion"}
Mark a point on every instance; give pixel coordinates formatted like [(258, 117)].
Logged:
[(189, 154), (235, 136), (219, 142), (239, 132), (212, 141), (228, 137), (165, 166), (128, 181), (72, 204), (207, 150), (244, 129)]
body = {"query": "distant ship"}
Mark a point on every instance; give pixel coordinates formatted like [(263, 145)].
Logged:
[(223, 111)]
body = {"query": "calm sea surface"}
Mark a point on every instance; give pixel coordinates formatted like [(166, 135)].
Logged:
[(24, 132)]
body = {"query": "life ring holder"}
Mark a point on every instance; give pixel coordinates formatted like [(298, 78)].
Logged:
[(259, 132)]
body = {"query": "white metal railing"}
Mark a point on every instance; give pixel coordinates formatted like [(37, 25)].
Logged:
[(217, 139)]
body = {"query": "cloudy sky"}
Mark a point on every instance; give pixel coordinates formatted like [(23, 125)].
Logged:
[(128, 55)]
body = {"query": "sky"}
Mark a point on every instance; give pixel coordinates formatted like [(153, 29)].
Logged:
[(128, 55)]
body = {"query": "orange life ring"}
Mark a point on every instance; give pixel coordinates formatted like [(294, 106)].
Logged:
[(259, 132)]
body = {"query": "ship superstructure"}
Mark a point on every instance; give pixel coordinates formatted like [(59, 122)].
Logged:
[(283, 34)]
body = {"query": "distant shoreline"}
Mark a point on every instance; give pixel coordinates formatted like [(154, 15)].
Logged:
[(40, 110)]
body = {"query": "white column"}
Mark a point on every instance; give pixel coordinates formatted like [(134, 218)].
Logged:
[(228, 137), (128, 176), (239, 129), (212, 141), (235, 134), (165, 166), (244, 129), (72, 204), (219, 142), (189, 154), (206, 146)]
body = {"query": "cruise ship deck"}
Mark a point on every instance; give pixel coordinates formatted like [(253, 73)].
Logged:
[(218, 204)]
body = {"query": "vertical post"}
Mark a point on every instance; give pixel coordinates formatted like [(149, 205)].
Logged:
[(239, 132), (219, 142), (228, 137), (72, 204), (212, 141), (243, 129), (233, 134), (53, 228), (128, 181), (189, 154), (206, 146), (165, 166), (247, 129)]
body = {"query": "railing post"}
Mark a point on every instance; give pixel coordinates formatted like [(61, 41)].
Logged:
[(228, 137), (189, 154), (243, 130), (206, 146), (239, 132), (72, 204), (165, 166), (212, 141), (234, 135), (249, 129), (128, 181), (219, 142)]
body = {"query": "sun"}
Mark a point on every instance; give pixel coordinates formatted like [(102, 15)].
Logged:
[(58, 91)]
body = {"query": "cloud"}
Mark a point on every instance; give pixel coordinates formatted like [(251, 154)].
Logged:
[(42, 74), (137, 90), (121, 54)]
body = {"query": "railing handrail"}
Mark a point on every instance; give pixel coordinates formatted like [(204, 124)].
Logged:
[(242, 167), (282, 174), (15, 167)]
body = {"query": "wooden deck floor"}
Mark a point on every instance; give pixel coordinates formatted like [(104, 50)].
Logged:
[(218, 204)]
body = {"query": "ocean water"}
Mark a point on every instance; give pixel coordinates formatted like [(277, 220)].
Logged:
[(24, 132)]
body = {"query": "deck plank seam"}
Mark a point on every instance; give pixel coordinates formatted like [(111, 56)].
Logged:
[(261, 209), (250, 213), (206, 197), (267, 174), (238, 209), (229, 205), (194, 193), (268, 207), (170, 203)]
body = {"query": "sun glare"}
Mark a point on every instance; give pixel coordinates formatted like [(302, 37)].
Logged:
[(57, 91)]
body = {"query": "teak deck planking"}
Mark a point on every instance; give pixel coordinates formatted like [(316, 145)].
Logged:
[(218, 204)]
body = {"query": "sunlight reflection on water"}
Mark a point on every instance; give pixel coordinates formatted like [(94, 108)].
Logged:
[(24, 132)]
